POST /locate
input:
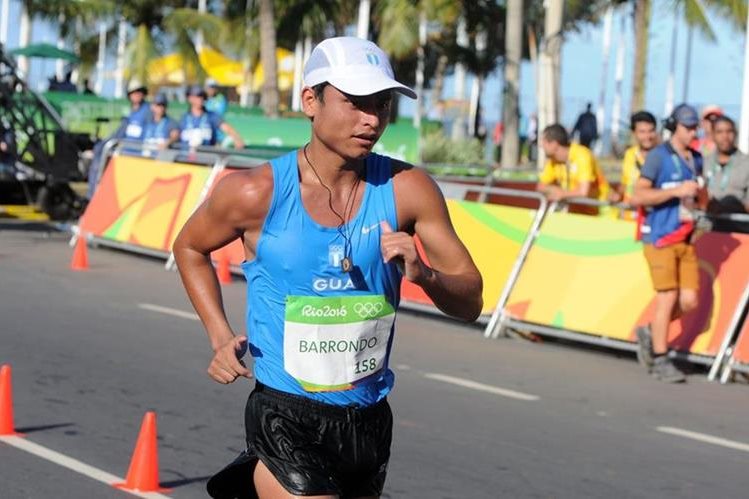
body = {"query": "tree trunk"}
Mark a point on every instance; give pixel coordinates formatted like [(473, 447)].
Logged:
[(119, 79), (362, 26), (511, 91), (642, 24), (601, 111), (24, 38), (671, 80), (4, 13), (420, 55), (269, 97), (549, 60), (439, 83), (101, 58)]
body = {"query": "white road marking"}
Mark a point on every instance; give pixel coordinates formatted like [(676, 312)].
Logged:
[(703, 437), (467, 383), (403, 367), (169, 311), (74, 465)]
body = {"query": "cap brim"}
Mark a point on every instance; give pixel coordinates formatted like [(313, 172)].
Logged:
[(359, 85)]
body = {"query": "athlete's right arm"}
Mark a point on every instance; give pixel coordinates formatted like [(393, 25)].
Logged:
[(236, 209)]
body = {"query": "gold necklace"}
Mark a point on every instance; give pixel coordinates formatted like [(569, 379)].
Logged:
[(347, 264)]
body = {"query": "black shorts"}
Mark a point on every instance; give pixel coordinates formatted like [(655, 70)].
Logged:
[(310, 447)]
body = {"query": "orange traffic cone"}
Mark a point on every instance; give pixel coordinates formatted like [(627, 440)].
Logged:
[(80, 255), (6, 403), (224, 274), (143, 474)]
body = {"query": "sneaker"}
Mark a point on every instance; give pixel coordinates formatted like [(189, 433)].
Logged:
[(645, 347), (666, 371)]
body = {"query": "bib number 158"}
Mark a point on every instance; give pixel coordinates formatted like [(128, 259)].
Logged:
[(365, 366)]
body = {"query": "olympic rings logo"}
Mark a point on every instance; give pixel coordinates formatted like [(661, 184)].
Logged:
[(367, 310)]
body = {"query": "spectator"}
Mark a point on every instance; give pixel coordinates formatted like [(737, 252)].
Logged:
[(133, 126), (727, 171), (161, 131), (87, 88), (643, 126), (532, 134), (199, 127), (586, 127), (7, 151), (215, 101), (668, 185), (131, 129), (571, 170), (706, 144)]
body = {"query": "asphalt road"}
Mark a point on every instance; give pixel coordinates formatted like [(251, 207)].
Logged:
[(93, 351)]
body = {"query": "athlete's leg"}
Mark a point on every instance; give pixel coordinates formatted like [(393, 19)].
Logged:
[(665, 302), (268, 487)]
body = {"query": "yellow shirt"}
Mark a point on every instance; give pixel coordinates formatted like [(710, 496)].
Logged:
[(581, 166), (631, 164)]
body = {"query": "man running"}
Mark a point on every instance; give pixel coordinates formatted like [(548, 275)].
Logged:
[(328, 233), (668, 185)]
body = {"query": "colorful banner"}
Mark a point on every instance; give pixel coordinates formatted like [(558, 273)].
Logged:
[(144, 202), (741, 348), (587, 274), (493, 235)]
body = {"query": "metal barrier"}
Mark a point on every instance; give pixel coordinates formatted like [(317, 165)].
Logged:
[(723, 316), (457, 192)]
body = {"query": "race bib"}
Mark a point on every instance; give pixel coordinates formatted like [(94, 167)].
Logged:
[(332, 342), (193, 136), (133, 130)]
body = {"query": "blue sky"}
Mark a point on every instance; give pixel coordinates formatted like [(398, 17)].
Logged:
[(716, 75)]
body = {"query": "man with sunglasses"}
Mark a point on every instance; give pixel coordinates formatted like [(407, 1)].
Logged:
[(668, 184)]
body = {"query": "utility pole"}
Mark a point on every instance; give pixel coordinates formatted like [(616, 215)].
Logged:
[(362, 27), (744, 126)]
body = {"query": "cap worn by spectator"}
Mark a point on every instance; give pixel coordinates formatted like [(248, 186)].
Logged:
[(196, 90), (686, 115), (352, 65), (135, 85), (711, 111), (161, 100), (210, 82)]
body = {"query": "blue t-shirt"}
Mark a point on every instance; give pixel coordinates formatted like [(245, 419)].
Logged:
[(667, 169), (199, 130), (158, 132), (133, 127), (216, 104), (315, 330)]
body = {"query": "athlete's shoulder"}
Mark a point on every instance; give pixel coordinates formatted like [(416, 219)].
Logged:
[(408, 176), (246, 193)]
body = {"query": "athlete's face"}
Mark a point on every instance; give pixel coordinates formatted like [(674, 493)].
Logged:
[(347, 124), (645, 135), (724, 136)]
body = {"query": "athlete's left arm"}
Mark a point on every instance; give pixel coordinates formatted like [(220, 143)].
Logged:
[(451, 279)]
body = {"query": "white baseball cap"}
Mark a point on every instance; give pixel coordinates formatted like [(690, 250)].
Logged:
[(352, 65)]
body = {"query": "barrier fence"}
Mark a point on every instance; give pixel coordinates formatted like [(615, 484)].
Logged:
[(550, 272)]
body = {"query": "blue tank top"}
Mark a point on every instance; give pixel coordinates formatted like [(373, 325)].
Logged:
[(313, 329)]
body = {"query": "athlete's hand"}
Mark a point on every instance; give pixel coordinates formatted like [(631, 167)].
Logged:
[(226, 365), (401, 248)]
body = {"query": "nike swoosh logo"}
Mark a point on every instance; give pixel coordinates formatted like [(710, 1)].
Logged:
[(367, 230)]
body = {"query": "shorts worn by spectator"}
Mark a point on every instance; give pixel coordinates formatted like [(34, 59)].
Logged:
[(321, 321)]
